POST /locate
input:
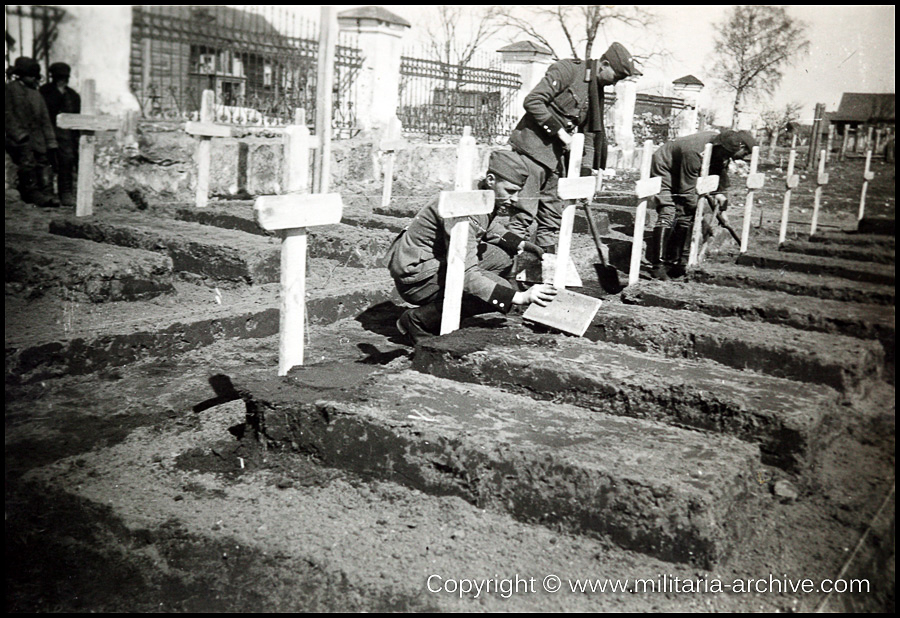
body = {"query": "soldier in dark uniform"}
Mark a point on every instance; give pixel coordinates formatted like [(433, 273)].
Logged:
[(30, 139), (679, 163), (568, 99), (417, 259), (60, 98)]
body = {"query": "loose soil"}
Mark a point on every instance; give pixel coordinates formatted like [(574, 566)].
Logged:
[(141, 488)]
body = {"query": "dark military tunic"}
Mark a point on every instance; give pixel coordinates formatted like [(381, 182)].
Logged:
[(560, 101), (679, 164), (417, 259)]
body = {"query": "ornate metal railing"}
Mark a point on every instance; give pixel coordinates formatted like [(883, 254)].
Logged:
[(261, 65), (31, 31), (438, 99)]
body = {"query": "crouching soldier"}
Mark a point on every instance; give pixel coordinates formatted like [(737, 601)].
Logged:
[(30, 138), (417, 259), (679, 164)]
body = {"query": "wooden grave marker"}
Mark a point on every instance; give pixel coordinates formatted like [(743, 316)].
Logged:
[(292, 213), (643, 188), (867, 176), (706, 184), (791, 181), (456, 207), (755, 181), (821, 181), (204, 131), (568, 311), (389, 145), (88, 122)]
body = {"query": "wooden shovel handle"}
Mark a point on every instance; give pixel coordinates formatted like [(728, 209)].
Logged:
[(594, 232)]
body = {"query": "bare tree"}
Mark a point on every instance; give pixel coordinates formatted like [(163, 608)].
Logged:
[(580, 25), (459, 31), (753, 46)]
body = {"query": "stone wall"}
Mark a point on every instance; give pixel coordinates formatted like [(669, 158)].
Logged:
[(162, 164)]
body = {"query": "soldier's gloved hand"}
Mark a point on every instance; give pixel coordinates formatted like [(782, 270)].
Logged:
[(721, 201), (530, 247), (565, 138), (541, 294), (53, 158)]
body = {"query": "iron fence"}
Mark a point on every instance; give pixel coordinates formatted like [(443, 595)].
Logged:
[(260, 61), (31, 31), (438, 99)]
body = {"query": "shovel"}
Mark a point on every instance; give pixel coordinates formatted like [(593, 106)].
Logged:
[(607, 274)]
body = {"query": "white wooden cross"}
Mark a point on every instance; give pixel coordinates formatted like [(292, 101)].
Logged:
[(706, 184), (88, 122), (293, 213), (821, 181), (791, 180), (456, 207), (643, 188), (392, 141), (754, 181), (867, 176), (205, 130), (572, 187)]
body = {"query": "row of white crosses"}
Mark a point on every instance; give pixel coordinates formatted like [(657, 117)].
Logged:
[(88, 122)]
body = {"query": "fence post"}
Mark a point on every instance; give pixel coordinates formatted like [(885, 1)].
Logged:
[(530, 62), (378, 81)]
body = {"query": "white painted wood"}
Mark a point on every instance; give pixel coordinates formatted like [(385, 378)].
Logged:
[(748, 204), (296, 158), (576, 155), (84, 192), (204, 148), (292, 317), (453, 204), (291, 211), (328, 31), (822, 180), (206, 129), (458, 209), (703, 189), (867, 176), (791, 181), (465, 161), (577, 188), (643, 188), (567, 223), (388, 173)]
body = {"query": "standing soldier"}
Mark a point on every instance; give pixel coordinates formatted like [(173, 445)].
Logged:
[(30, 139), (679, 164), (60, 98), (568, 99)]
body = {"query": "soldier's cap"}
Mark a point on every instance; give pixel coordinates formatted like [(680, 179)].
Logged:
[(508, 165), (731, 141), (26, 67), (60, 69), (621, 61)]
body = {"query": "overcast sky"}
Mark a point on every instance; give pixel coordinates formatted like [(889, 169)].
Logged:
[(851, 50)]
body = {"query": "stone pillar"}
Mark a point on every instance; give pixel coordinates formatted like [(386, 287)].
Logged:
[(531, 62), (96, 42), (623, 119), (378, 86)]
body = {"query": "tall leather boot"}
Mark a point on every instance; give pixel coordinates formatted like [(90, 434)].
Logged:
[(420, 322), (655, 252), (678, 251), (65, 182)]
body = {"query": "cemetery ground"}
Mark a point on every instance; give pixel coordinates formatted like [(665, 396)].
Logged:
[(736, 425)]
